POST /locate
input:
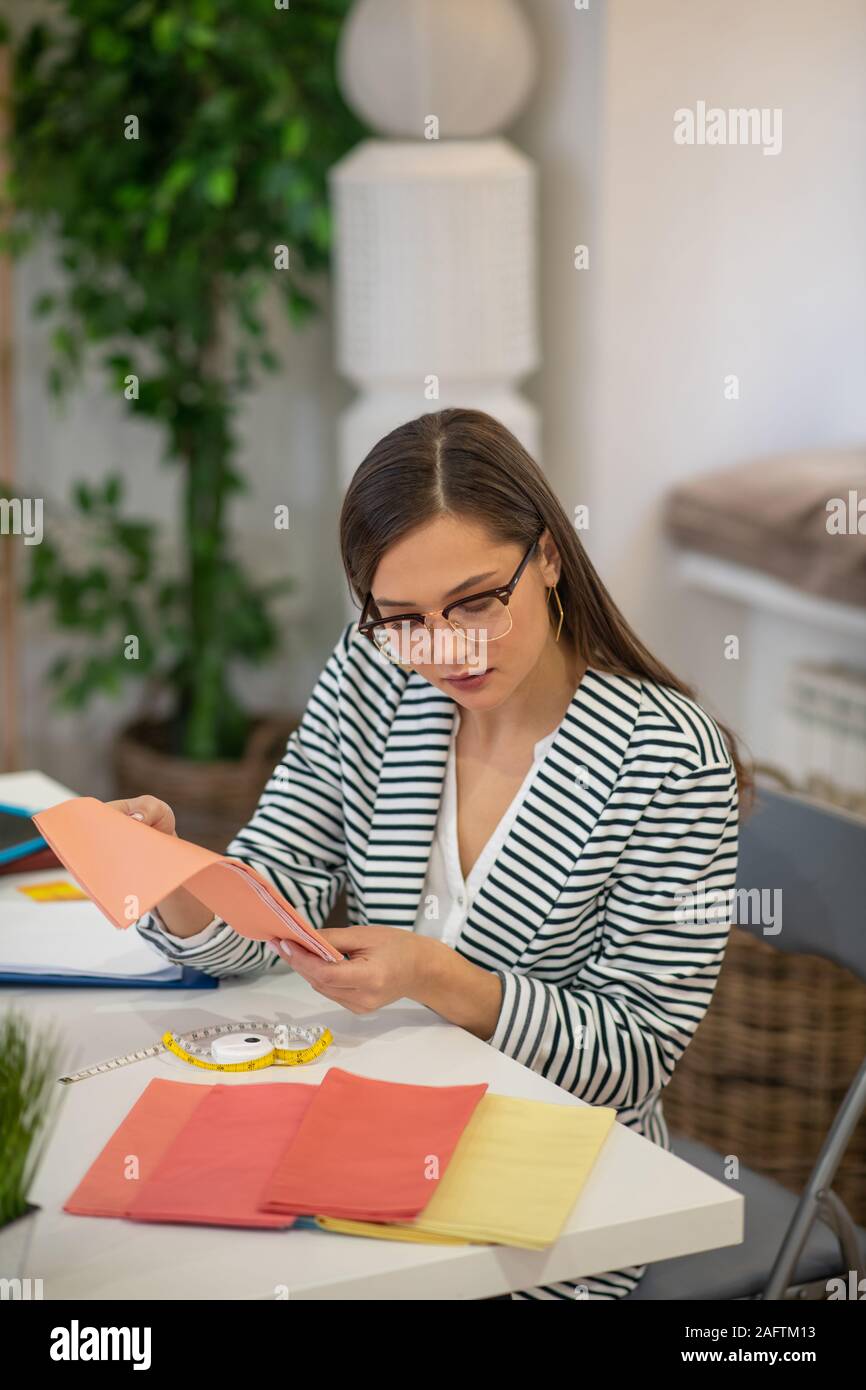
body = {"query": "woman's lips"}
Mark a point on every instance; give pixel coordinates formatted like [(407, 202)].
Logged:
[(471, 680)]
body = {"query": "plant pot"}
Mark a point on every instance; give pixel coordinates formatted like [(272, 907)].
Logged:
[(16, 1239), (211, 801)]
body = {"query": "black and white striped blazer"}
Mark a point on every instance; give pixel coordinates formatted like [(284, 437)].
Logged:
[(606, 972)]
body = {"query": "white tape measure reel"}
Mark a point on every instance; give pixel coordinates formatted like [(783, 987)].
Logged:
[(241, 1047), (250, 1048)]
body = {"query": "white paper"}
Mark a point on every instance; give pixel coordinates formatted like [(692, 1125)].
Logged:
[(32, 790), (69, 938)]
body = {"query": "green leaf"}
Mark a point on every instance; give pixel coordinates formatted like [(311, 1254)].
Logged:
[(200, 36), (107, 46), (219, 187), (83, 496), (113, 489), (129, 197), (165, 32), (301, 307), (294, 136), (157, 235), (320, 227), (64, 343), (180, 175)]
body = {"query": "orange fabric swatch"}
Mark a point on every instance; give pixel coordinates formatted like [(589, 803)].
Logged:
[(214, 1172), (153, 1123), (370, 1150)]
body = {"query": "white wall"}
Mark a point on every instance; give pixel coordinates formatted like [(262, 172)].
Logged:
[(704, 261)]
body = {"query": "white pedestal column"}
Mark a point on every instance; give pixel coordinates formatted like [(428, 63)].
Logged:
[(435, 239)]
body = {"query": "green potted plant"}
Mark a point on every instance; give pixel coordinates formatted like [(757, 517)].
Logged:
[(29, 1068), (177, 152)]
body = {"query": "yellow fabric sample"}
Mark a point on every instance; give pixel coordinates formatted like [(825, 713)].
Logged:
[(513, 1179)]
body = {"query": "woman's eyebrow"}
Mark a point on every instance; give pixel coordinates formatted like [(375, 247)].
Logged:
[(408, 602)]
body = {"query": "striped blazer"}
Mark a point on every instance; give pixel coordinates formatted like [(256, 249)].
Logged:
[(590, 915)]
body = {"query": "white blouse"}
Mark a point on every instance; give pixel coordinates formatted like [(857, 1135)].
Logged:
[(447, 896)]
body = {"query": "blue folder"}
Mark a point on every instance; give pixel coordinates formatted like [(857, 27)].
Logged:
[(33, 843), (190, 979)]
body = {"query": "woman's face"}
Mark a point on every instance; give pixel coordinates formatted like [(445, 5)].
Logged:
[(452, 557)]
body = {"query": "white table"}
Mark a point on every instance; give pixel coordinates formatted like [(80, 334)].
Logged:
[(640, 1203)]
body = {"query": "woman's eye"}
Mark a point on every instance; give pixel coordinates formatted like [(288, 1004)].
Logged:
[(480, 605)]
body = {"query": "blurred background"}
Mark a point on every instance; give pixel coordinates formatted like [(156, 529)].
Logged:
[(241, 241)]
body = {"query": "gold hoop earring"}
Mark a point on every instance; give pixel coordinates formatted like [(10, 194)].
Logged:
[(555, 591)]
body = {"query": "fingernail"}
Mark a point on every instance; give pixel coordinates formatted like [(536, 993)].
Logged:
[(136, 815)]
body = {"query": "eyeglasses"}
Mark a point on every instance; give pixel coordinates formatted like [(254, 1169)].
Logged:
[(477, 618)]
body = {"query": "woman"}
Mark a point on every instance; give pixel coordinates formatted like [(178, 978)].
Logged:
[(518, 814)]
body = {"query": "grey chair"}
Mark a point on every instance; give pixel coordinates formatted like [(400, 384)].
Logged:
[(792, 1247)]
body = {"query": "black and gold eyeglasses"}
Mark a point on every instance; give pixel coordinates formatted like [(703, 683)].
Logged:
[(479, 618)]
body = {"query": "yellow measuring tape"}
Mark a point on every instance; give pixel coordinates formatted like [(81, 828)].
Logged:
[(291, 1056)]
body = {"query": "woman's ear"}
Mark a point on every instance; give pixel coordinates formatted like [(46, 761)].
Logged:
[(549, 558)]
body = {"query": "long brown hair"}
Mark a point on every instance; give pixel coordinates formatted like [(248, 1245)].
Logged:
[(466, 463)]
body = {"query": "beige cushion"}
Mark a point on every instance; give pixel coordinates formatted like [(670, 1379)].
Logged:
[(772, 515)]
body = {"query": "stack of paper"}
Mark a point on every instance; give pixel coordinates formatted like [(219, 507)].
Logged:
[(67, 939)]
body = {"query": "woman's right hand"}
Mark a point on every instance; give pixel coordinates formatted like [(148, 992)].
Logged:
[(149, 810)]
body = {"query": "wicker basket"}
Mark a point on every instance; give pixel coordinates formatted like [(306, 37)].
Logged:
[(770, 1064), (210, 800)]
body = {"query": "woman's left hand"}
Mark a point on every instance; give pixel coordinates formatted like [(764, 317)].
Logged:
[(384, 964)]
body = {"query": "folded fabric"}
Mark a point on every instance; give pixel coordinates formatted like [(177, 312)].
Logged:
[(370, 1150), (783, 515), (214, 1171), (513, 1179), (135, 1148)]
